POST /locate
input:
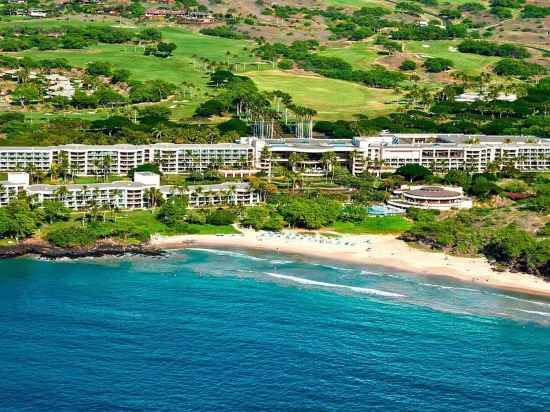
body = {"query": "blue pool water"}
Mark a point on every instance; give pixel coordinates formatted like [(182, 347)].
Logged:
[(208, 330)]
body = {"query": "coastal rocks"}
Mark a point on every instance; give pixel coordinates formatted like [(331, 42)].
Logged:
[(47, 251)]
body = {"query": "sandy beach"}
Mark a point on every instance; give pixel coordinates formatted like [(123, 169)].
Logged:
[(379, 250)]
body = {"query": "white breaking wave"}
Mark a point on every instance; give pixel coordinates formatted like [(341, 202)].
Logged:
[(450, 287), (534, 302), (241, 255), (381, 274), (535, 312), (335, 286), (324, 265), (281, 262), (338, 268), (227, 253)]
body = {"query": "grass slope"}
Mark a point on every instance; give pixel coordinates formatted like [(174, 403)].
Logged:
[(359, 55), (176, 69), (374, 225), (333, 99), (469, 63)]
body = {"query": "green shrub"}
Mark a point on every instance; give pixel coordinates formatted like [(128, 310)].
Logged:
[(353, 213), (422, 214), (221, 217), (309, 213), (262, 218), (286, 64), (516, 186), (196, 217), (438, 64), (72, 235), (173, 211), (407, 65)]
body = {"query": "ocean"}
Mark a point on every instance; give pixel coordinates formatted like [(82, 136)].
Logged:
[(208, 330)]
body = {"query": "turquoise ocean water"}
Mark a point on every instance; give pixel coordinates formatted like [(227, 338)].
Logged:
[(205, 330)]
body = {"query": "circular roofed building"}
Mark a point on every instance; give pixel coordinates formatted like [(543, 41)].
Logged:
[(430, 197)]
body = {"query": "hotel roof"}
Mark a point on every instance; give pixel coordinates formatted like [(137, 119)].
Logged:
[(435, 192), (221, 186), (311, 144), (463, 138)]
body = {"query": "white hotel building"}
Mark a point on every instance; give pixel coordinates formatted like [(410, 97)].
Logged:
[(387, 152), (383, 153), (126, 194), (86, 160)]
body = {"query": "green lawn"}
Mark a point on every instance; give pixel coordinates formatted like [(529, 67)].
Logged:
[(374, 225), (359, 55), (333, 99), (7, 242), (144, 220), (181, 67), (175, 69), (467, 62), (86, 114)]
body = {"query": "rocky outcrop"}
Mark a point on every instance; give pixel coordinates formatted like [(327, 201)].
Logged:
[(47, 251)]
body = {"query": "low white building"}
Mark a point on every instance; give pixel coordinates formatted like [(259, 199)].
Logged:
[(134, 194), (470, 97), (59, 85), (37, 13), (430, 197), (9, 189)]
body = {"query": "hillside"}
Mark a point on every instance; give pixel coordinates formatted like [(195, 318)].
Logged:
[(341, 58)]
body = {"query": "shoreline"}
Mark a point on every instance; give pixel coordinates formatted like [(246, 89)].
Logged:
[(384, 251)]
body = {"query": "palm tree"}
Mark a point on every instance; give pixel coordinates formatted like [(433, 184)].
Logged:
[(158, 133), (106, 164), (180, 188), (291, 179), (23, 75), (117, 195), (299, 181), (378, 164), (199, 191), (484, 80), (329, 161), (63, 165), (153, 196), (85, 195), (265, 160), (32, 171), (233, 193), (97, 163), (61, 193), (295, 159)]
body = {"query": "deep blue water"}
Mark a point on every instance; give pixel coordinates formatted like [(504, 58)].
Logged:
[(223, 331)]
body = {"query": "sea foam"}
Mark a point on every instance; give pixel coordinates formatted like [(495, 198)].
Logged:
[(357, 289), (227, 253), (451, 287), (535, 312)]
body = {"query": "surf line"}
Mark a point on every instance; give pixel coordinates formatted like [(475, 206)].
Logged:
[(357, 289)]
